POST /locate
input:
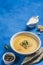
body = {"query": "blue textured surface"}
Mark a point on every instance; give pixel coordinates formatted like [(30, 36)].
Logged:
[(13, 17)]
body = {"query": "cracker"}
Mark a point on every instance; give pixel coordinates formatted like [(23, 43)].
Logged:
[(40, 28)]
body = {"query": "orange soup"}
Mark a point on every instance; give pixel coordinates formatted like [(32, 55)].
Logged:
[(25, 44)]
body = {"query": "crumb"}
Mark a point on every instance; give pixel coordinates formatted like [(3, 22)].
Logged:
[(40, 28), (6, 47)]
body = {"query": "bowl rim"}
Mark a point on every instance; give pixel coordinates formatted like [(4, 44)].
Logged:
[(26, 33)]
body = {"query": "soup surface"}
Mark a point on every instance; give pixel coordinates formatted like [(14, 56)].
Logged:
[(25, 44)]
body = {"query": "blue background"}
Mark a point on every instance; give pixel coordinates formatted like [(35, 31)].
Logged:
[(14, 15)]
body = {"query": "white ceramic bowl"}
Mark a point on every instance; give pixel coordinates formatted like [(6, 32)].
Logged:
[(32, 25), (27, 33), (7, 62)]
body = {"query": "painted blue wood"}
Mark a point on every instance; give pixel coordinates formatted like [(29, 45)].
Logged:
[(14, 15)]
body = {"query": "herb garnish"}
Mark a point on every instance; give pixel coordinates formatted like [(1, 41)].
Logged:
[(25, 44)]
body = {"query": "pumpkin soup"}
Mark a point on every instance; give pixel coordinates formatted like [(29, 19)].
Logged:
[(25, 43)]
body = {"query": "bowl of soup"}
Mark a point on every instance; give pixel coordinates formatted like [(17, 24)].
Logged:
[(25, 42)]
